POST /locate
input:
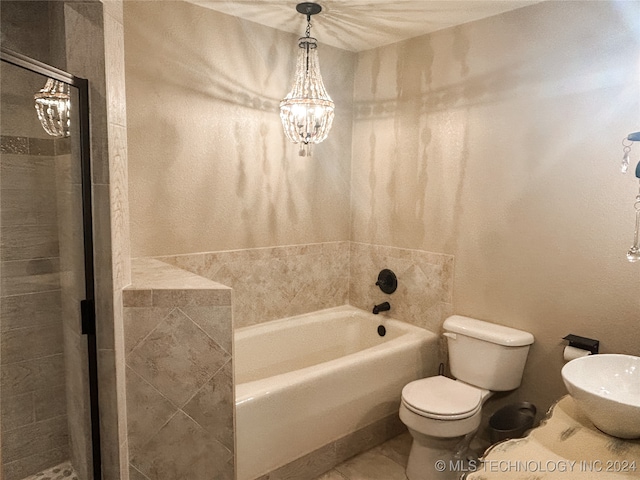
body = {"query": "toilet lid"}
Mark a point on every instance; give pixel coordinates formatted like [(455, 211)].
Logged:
[(442, 397)]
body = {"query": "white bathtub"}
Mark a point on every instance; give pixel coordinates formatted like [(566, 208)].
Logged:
[(306, 381)]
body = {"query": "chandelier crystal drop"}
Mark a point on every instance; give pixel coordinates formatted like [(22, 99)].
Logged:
[(307, 111), (52, 105)]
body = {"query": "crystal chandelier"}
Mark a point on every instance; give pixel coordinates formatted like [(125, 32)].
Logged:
[(307, 110), (633, 255), (52, 105)]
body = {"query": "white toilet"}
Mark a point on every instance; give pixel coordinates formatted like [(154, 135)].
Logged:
[(442, 414)]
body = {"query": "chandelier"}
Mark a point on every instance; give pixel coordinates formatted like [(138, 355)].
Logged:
[(307, 110), (52, 106), (633, 255)]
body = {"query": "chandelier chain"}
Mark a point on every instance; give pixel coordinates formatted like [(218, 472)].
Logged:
[(308, 31)]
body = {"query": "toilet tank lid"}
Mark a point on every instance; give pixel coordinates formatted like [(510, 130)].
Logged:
[(489, 332)]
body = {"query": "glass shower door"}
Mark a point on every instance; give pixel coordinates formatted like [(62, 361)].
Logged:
[(45, 273)]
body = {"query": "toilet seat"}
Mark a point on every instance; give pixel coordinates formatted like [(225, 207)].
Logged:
[(442, 398)]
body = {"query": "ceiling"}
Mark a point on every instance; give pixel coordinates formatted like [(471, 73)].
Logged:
[(358, 25)]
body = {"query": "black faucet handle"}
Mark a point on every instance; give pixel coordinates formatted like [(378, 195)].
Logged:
[(387, 281)]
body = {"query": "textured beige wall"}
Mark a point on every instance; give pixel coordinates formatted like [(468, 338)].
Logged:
[(499, 142), (210, 168)]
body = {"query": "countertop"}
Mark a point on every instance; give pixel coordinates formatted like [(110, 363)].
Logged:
[(565, 446)]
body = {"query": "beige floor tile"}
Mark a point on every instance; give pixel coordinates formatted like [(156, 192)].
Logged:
[(384, 462), (371, 465), (397, 449), (332, 475)]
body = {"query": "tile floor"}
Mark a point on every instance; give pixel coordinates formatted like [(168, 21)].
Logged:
[(387, 461), (384, 462)]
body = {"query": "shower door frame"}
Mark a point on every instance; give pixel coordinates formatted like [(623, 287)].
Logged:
[(87, 306)]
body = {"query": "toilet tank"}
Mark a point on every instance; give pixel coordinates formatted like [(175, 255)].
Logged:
[(486, 355)]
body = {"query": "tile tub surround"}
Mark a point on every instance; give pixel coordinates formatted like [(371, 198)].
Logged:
[(425, 283), (178, 352), (277, 282)]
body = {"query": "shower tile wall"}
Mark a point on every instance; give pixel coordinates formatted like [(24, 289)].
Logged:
[(34, 421), (79, 37), (72, 291), (95, 33), (44, 357)]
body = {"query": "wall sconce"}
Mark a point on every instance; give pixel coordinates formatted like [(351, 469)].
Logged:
[(52, 105), (307, 110)]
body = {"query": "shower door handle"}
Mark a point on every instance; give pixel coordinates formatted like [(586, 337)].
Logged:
[(88, 317)]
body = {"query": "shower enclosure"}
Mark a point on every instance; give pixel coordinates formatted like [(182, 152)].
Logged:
[(48, 381)]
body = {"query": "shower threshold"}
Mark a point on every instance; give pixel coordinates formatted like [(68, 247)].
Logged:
[(64, 471)]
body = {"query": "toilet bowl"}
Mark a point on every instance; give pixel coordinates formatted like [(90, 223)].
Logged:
[(443, 414), (442, 407)]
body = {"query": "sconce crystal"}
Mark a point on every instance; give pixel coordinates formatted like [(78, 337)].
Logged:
[(52, 105), (307, 110)]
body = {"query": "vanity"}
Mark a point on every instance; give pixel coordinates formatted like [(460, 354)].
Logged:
[(565, 446)]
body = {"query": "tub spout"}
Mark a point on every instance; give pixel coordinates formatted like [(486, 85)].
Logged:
[(383, 307)]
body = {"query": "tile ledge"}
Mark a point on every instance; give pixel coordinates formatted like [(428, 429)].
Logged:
[(151, 274)]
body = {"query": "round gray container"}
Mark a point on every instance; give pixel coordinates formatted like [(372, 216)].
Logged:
[(511, 421)]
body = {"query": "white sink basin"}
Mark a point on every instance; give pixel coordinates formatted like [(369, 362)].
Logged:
[(607, 389)]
